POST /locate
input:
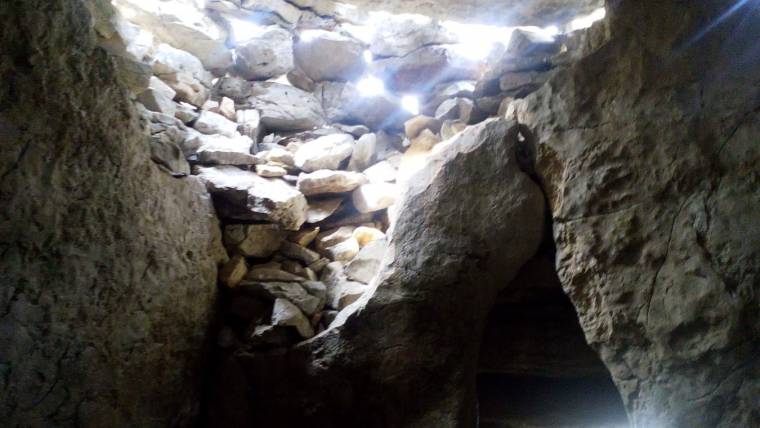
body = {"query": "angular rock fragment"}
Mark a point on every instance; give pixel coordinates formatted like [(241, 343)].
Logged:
[(214, 123), (326, 182), (253, 240), (425, 140), (414, 126), (282, 107), (333, 237), (243, 195), (324, 152), (374, 197), (326, 55), (297, 252), (233, 271), (268, 274), (158, 97), (267, 54), (271, 171), (249, 123), (364, 152), (287, 314), (365, 235), (343, 251), (304, 237), (367, 263), (320, 209), (218, 149), (381, 172)]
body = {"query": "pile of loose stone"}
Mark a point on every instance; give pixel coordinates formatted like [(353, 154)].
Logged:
[(302, 168)]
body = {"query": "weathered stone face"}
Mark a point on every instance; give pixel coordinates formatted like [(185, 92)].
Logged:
[(648, 152), (100, 248)]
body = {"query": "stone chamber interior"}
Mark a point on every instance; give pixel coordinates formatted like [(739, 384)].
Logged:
[(278, 213)]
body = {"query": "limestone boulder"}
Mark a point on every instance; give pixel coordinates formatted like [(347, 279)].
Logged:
[(182, 26), (324, 153), (243, 195), (327, 55), (320, 209), (158, 97), (267, 54), (420, 70), (326, 182), (218, 149), (287, 314), (399, 35), (298, 252), (364, 152), (373, 197), (282, 107), (366, 264), (342, 102), (214, 123)]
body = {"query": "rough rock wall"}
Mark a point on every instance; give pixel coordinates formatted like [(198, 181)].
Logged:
[(407, 356), (107, 264), (648, 149)]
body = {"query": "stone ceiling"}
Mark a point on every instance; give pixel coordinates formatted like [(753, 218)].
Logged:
[(504, 12)]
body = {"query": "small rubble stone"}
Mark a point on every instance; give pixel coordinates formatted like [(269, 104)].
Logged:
[(233, 271), (364, 235), (271, 171), (267, 54), (253, 240), (214, 123), (287, 314), (321, 209), (292, 291), (344, 251), (374, 197), (364, 152), (267, 274), (414, 126), (381, 172), (327, 181), (366, 264), (297, 252), (304, 237), (324, 152)]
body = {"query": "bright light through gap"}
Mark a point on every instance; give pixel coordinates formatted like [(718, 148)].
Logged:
[(588, 21), (368, 57), (370, 86), (411, 104)]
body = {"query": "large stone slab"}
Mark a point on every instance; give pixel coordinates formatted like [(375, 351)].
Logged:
[(326, 55), (324, 153), (243, 195), (326, 181), (269, 53)]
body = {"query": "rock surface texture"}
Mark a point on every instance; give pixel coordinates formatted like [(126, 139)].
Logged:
[(648, 152), (108, 265), (405, 355)]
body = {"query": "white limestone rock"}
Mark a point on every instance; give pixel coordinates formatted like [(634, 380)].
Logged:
[(214, 123), (243, 195), (282, 107), (320, 209), (344, 251), (326, 55), (364, 152), (365, 235), (267, 54), (366, 264), (271, 171), (398, 35), (324, 153), (381, 172), (288, 314), (374, 197), (220, 150), (326, 181), (249, 123)]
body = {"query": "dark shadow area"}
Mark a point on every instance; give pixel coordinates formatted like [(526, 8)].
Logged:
[(510, 401), (536, 369)]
